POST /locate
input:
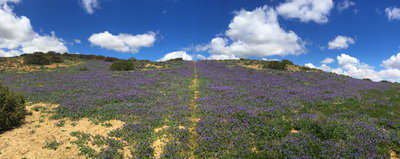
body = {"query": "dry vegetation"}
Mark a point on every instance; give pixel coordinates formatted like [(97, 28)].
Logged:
[(16, 64), (43, 137)]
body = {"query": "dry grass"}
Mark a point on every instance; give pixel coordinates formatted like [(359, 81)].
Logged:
[(28, 140), (252, 66), (293, 68), (17, 64)]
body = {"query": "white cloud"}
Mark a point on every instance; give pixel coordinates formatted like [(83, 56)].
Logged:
[(200, 57), (202, 47), (44, 43), (123, 42), (393, 13), (9, 1), (345, 60), (341, 42), (177, 54), (265, 59), (351, 66), (392, 62), (17, 35), (306, 10), (11, 53), (90, 5), (222, 57), (310, 65), (77, 41), (343, 5), (327, 60), (254, 33)]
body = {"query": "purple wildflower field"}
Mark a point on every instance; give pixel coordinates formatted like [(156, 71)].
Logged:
[(213, 109)]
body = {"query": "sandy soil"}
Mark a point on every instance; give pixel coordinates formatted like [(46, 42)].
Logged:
[(28, 140), (393, 155), (254, 66)]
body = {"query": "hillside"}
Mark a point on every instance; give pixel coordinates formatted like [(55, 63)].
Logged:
[(205, 109)]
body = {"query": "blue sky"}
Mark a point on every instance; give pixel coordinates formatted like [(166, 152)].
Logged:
[(366, 32)]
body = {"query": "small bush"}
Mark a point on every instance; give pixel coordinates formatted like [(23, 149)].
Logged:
[(37, 58), (176, 59), (287, 62), (110, 59), (122, 65), (12, 108), (367, 79), (276, 65), (306, 68), (51, 145), (54, 57), (83, 68)]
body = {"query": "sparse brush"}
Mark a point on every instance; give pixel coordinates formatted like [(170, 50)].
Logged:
[(12, 108), (83, 68), (52, 145)]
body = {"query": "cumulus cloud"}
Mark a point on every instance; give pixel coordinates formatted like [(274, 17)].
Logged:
[(340, 42), (254, 33), (222, 57), (310, 65), (327, 60), (343, 5), (200, 57), (9, 1), (17, 35), (177, 54), (306, 10), (44, 43), (90, 5), (392, 62), (123, 42), (393, 13), (11, 53), (351, 66)]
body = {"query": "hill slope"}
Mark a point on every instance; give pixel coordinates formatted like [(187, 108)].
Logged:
[(223, 109)]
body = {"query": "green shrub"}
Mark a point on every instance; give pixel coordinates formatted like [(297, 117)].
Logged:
[(110, 59), (83, 68), (12, 108), (276, 65), (37, 58), (176, 59), (122, 65), (287, 62), (367, 79), (54, 57), (385, 81)]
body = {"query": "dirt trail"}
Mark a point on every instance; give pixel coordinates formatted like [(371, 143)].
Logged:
[(29, 140), (194, 119)]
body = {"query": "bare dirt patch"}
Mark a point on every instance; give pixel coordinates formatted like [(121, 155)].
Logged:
[(158, 146), (253, 66), (293, 68), (393, 155), (294, 131), (30, 139)]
